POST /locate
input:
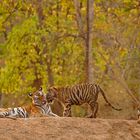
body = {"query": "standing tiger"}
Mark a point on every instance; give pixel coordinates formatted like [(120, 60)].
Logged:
[(38, 108), (77, 95)]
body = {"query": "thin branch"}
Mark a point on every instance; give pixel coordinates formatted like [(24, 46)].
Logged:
[(10, 14), (79, 18), (121, 82), (130, 50)]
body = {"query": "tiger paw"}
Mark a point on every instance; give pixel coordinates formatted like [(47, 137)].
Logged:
[(90, 116)]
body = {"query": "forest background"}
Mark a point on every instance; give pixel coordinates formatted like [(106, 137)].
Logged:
[(66, 42)]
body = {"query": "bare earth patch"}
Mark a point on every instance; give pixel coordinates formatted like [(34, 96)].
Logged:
[(69, 129)]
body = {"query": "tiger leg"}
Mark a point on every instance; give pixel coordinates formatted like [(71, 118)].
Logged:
[(94, 109), (67, 113), (4, 114), (53, 114), (67, 110)]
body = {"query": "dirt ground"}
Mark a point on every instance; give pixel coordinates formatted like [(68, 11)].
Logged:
[(69, 129)]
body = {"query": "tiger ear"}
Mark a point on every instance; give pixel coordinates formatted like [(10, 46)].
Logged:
[(40, 89), (54, 88), (30, 94)]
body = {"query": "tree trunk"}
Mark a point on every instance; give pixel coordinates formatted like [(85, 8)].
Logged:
[(87, 36), (88, 55), (43, 38), (49, 71)]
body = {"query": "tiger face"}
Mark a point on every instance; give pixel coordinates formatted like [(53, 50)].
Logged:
[(51, 95), (38, 97)]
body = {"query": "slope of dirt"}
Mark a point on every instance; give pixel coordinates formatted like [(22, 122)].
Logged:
[(68, 129)]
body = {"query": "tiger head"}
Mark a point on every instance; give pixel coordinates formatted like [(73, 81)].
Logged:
[(51, 95), (38, 97)]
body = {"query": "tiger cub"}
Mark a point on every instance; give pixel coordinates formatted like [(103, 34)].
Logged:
[(39, 107), (77, 95)]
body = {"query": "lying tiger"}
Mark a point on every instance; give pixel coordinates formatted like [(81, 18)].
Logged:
[(38, 108), (77, 95)]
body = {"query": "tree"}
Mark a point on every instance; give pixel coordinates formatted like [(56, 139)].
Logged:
[(58, 43), (87, 36)]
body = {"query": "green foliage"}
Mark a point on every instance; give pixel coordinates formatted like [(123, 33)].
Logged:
[(18, 73), (35, 49)]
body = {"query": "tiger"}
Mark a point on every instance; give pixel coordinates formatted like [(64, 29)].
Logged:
[(77, 95), (38, 108)]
